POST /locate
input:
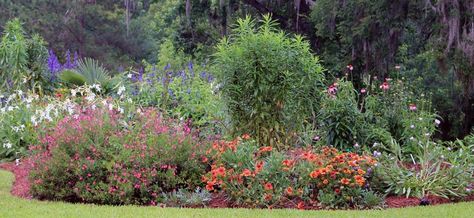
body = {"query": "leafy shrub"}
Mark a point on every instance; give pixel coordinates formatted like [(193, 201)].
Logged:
[(257, 177), (22, 59), (187, 94), (100, 156), (270, 81), (341, 119)]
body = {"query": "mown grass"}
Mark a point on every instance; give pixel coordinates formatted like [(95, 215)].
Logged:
[(11, 206)]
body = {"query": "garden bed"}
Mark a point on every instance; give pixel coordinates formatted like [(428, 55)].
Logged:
[(21, 187)]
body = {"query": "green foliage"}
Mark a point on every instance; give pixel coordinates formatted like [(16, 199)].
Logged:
[(342, 121), (72, 77), (22, 59), (185, 198), (439, 171), (92, 71), (270, 80)]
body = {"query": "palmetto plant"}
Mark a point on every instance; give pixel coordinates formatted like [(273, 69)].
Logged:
[(92, 71)]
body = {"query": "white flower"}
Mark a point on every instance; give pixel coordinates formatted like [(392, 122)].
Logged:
[(437, 121), (412, 126), (93, 107), (121, 110), (111, 107), (129, 75), (76, 116), (73, 92), (120, 90), (17, 162), (427, 134), (377, 154), (7, 145), (10, 108), (449, 149), (375, 144), (90, 97), (33, 120), (411, 138), (96, 87), (356, 145), (19, 92)]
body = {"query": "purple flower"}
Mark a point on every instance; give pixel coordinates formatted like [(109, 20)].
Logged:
[(68, 64), (53, 64)]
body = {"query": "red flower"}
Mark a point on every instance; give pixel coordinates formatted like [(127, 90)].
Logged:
[(268, 197), (246, 173), (385, 86), (268, 186), (345, 181), (332, 90), (204, 159), (258, 167), (288, 163), (300, 205), (245, 136), (412, 107), (289, 190), (266, 148), (210, 186)]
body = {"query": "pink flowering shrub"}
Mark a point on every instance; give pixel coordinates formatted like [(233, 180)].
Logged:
[(102, 157)]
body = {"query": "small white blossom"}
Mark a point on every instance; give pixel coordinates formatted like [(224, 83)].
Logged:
[(120, 90), (437, 121), (129, 75), (412, 126), (356, 145), (96, 87), (7, 145), (17, 162)]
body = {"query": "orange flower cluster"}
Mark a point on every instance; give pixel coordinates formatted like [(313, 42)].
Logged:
[(339, 169)]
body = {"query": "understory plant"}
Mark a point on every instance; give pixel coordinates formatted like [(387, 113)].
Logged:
[(100, 156)]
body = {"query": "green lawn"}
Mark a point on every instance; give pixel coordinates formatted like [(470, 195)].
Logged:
[(14, 207)]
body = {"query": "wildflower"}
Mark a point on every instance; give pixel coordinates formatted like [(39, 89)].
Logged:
[(120, 90), (129, 75), (412, 126), (377, 154), (375, 144), (325, 182), (397, 67), (345, 181), (246, 173), (412, 107), (316, 138), (268, 197), (96, 87), (350, 67), (287, 163), (300, 205), (210, 185), (266, 148), (361, 172), (268, 186), (246, 136), (7, 145), (17, 162), (332, 90), (314, 174), (258, 167), (356, 145), (437, 122), (363, 91), (289, 190), (385, 86)]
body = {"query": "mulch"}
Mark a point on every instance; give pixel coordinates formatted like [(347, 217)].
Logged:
[(21, 188)]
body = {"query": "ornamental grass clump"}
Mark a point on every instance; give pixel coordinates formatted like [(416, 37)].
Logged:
[(100, 156)]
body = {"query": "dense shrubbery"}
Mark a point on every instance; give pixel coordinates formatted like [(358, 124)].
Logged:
[(271, 81), (99, 156)]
